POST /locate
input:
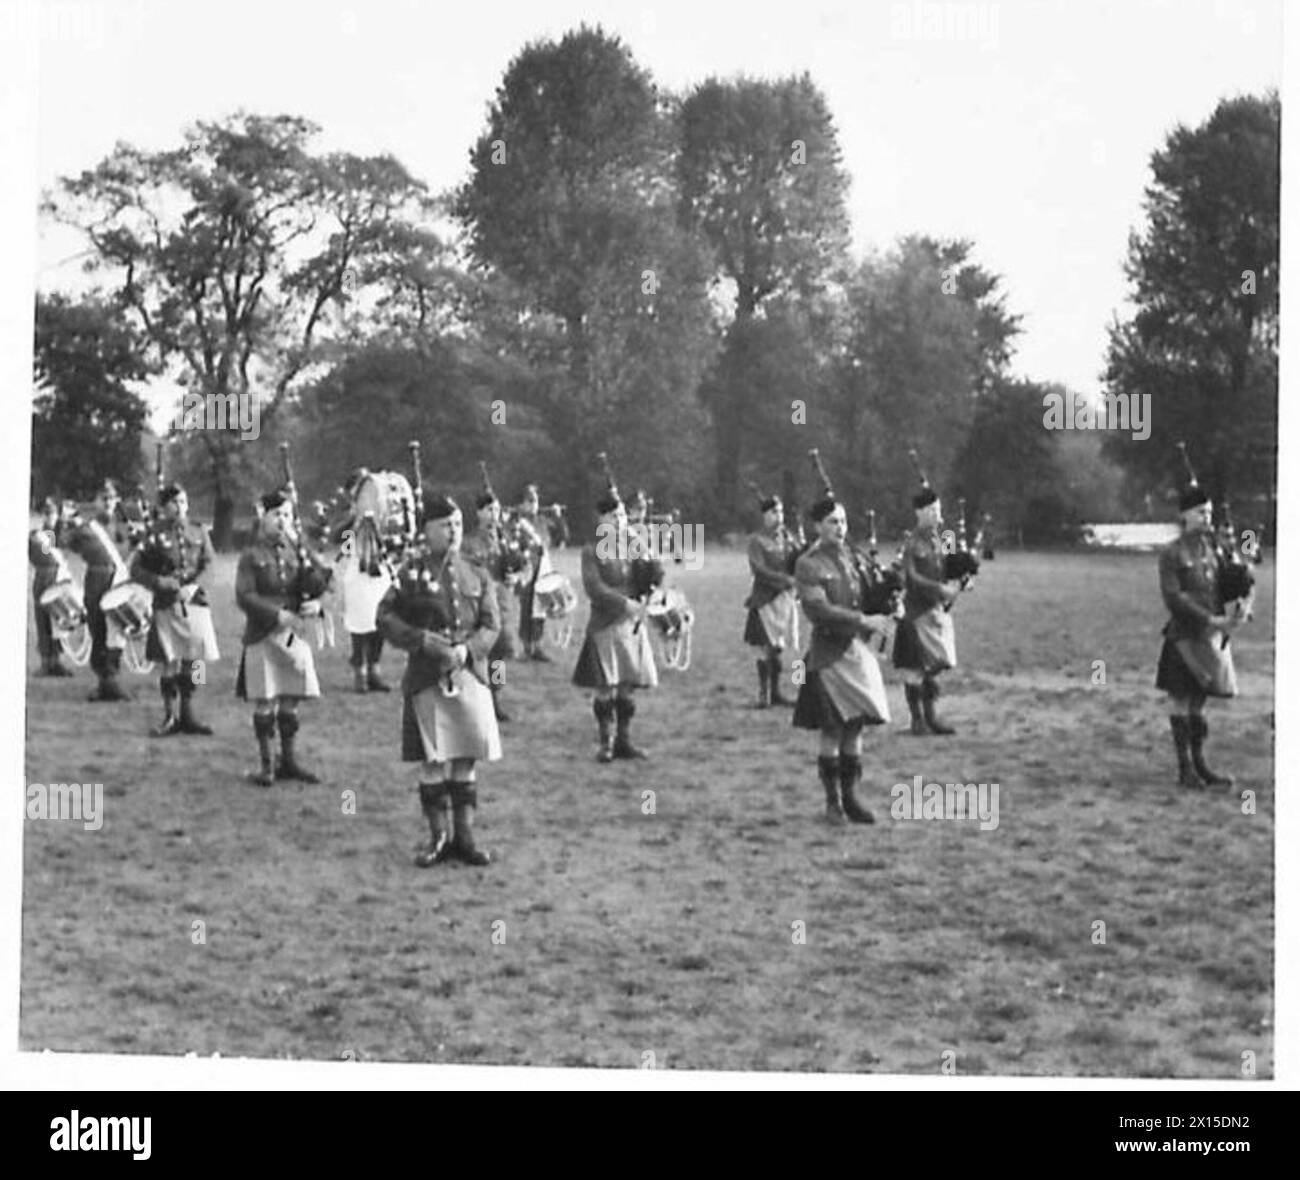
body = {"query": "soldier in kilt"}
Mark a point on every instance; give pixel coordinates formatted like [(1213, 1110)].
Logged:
[(843, 689), (773, 620), (103, 541), (174, 556), (533, 536), (1196, 657), (617, 657), (277, 584), (51, 568), (486, 547), (926, 641), (443, 613)]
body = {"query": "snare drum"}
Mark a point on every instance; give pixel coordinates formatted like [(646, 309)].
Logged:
[(553, 597), (63, 603), (128, 608), (387, 496)]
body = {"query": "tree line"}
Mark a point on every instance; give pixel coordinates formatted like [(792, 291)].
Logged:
[(663, 277)]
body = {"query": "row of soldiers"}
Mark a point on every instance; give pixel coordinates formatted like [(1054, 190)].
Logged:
[(444, 606), (1204, 582)]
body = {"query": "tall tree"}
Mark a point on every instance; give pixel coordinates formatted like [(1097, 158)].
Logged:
[(568, 204), (87, 422), (238, 252), (1202, 343), (760, 177), (928, 338)]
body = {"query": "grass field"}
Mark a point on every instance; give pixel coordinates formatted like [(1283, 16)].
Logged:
[(673, 933)]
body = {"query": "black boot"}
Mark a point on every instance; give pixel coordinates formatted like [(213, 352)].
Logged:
[(52, 665), (436, 807), (604, 710), (919, 727), (464, 798), (1187, 776), (764, 675), (850, 772), (774, 672), (109, 687), (501, 714), (625, 707), (828, 770), (171, 724), (264, 728), (1199, 729), (189, 723), (289, 767), (930, 694)]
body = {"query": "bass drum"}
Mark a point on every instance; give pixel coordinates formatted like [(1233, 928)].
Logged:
[(387, 496)]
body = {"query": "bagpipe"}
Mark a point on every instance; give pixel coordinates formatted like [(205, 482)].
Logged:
[(1236, 578), (794, 540), (313, 577), (880, 586), (667, 609), (962, 562), (515, 540)]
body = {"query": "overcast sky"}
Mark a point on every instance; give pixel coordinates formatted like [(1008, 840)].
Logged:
[(1025, 126)]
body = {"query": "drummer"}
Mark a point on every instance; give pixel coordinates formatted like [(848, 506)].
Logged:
[(532, 534), (51, 568), (276, 671), (102, 541), (175, 554)]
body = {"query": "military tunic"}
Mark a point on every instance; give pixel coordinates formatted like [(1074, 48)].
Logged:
[(436, 605), (103, 545), (1195, 658), (616, 651), (773, 619), (181, 628), (926, 640), (277, 660), (487, 549), (842, 678)]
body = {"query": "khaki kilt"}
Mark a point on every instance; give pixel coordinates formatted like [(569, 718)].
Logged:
[(774, 624), (1197, 667), (849, 690), (437, 727), (183, 632), (926, 642), (619, 655), (281, 665)]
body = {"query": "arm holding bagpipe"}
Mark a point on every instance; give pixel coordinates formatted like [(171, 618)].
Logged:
[(870, 622), (314, 576)]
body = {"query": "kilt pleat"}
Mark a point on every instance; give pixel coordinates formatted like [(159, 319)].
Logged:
[(267, 671), (1190, 668), (851, 689), (438, 728), (926, 643), (617, 655)]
